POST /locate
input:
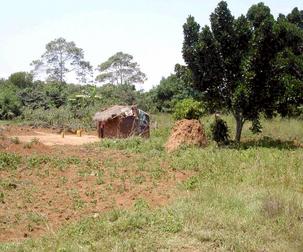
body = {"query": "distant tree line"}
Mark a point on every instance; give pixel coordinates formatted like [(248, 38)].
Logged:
[(24, 98)]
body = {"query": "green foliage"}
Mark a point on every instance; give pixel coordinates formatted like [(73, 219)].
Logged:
[(60, 58), (71, 106), (43, 95), (9, 161), (135, 144), (219, 131), (188, 109), (55, 117), (247, 65), (33, 98), (56, 94), (124, 94), (81, 104), (171, 90), (21, 79), (296, 17), (10, 106), (256, 126), (191, 183), (120, 69)]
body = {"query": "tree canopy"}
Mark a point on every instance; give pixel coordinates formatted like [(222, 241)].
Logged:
[(172, 89), (247, 65), (120, 69), (60, 58)]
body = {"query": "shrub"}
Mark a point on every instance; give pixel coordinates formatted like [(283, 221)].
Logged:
[(219, 131), (9, 103), (57, 117), (188, 109)]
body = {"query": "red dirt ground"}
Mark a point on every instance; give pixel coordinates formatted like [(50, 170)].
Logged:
[(49, 137), (67, 185)]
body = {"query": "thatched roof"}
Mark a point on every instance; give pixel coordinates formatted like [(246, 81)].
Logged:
[(113, 112)]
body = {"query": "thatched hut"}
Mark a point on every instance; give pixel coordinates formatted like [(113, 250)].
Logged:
[(121, 122)]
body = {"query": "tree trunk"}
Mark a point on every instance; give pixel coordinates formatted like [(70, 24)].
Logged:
[(61, 68), (239, 126)]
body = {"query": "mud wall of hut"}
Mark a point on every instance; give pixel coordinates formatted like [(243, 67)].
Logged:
[(120, 127)]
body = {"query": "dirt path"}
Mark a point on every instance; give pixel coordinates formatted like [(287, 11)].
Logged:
[(56, 139)]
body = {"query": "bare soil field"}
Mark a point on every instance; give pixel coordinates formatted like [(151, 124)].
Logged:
[(55, 139), (50, 137), (58, 180)]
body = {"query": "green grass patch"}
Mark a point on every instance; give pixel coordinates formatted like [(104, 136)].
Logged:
[(9, 161)]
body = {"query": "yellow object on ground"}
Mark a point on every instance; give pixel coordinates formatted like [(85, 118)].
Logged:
[(79, 132)]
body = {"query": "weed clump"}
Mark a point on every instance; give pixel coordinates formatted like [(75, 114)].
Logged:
[(219, 131), (2, 197), (9, 161), (15, 140)]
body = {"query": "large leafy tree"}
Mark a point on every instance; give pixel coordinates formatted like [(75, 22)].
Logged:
[(287, 68), (275, 62), (239, 64), (60, 58), (171, 90), (120, 69), (296, 17)]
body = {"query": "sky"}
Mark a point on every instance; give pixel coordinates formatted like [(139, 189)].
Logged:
[(150, 30)]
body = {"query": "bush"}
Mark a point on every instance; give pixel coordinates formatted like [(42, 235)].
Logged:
[(56, 117), (219, 130), (188, 109), (10, 106)]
